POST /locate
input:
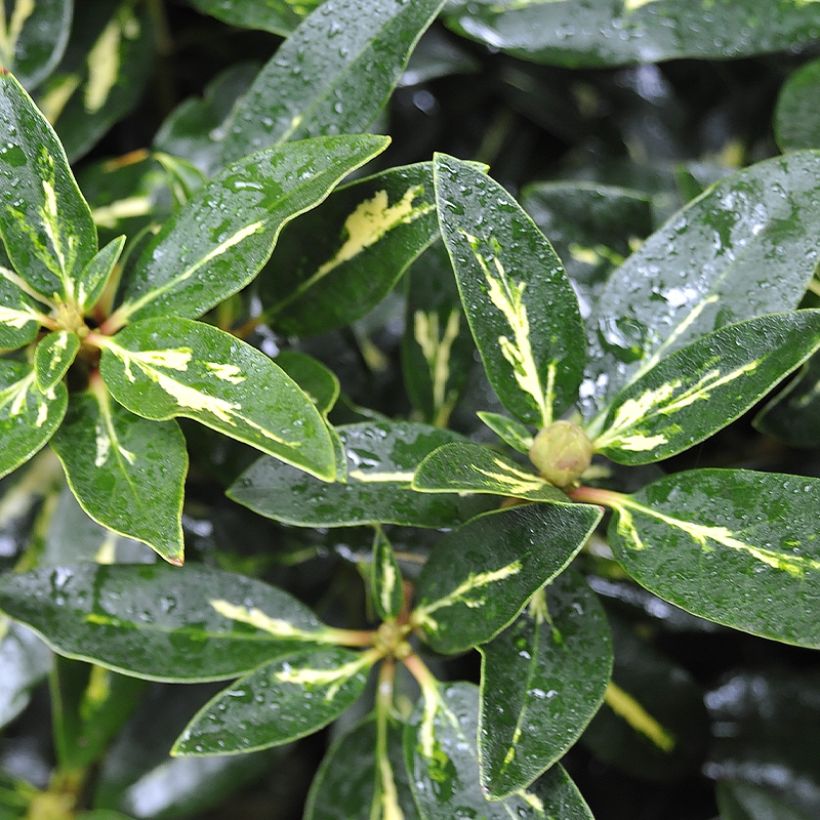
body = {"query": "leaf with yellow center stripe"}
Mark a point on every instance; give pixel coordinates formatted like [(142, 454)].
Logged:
[(20, 317), (736, 547), (701, 388), (284, 700), (480, 577), (519, 303), (54, 354), (28, 417), (162, 368), (385, 578), (219, 240)]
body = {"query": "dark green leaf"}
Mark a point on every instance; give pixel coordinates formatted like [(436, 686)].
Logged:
[(474, 468), (25, 661), (318, 382), (44, 220), (435, 56), (442, 757), (381, 459), (335, 264), (332, 75), (276, 16), (28, 418), (573, 34), (19, 319), (479, 577), (510, 431), (742, 249), (160, 623), (385, 578), (127, 473), (701, 388), (521, 308), (740, 801), (542, 681), (289, 698), (33, 36), (53, 355), (161, 368), (797, 116), (98, 272), (734, 546), (218, 242)]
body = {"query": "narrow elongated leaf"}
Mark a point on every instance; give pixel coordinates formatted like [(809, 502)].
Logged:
[(701, 388), (520, 305), (742, 249), (440, 747), (576, 34), (479, 577), (289, 698), (350, 783), (162, 368), (19, 321), (127, 473), (156, 622), (318, 382), (332, 75), (276, 16), (796, 118), (466, 467), (385, 578), (336, 263), (44, 220), (734, 546), (53, 356), (28, 417), (542, 680), (220, 239), (381, 459), (25, 661), (510, 431), (98, 272), (33, 37)]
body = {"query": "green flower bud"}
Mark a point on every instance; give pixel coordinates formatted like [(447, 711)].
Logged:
[(561, 452)]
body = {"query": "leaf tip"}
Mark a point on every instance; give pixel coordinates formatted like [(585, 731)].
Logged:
[(4, 71), (175, 560)]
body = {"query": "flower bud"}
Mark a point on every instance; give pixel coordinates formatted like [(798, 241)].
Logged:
[(561, 452)]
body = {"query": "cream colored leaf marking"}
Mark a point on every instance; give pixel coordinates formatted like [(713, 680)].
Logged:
[(334, 678), (18, 318), (107, 552), (103, 66), (662, 401), (21, 283), (626, 707), (595, 255), (702, 534), (60, 346), (474, 585), (513, 480), (10, 32), (436, 350), (389, 579), (508, 298), (370, 222), (60, 91), (634, 5), (14, 400), (226, 372), (126, 310), (386, 803), (277, 627), (109, 216), (402, 477)]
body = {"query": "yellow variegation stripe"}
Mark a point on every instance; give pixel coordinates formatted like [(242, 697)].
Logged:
[(11, 30), (397, 476), (626, 707), (108, 216), (60, 91), (436, 348), (333, 678), (17, 318), (513, 480), (258, 619), (106, 440), (14, 398)]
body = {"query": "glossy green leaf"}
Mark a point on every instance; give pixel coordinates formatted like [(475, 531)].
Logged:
[(103, 74), (381, 459), (33, 36), (336, 263), (28, 418), (286, 699), (736, 547), (796, 117), (317, 381), (740, 801), (25, 661), (44, 220), (704, 386), (542, 680), (480, 577), (332, 75), (576, 34), (520, 305), (510, 431), (794, 414), (385, 578), (184, 178), (743, 248), (99, 270), (53, 355), (474, 468), (440, 747), (350, 784), (127, 473), (162, 368), (218, 242), (437, 55), (276, 16), (157, 622), (19, 319), (437, 349)]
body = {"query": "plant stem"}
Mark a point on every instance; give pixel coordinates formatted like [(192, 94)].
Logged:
[(350, 637), (420, 671), (595, 495)]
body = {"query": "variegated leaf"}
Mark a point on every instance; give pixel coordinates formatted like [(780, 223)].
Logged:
[(319, 382), (510, 431), (20, 317), (276, 16), (98, 272), (520, 305), (479, 577), (385, 578), (162, 368), (701, 388), (53, 355)]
